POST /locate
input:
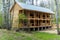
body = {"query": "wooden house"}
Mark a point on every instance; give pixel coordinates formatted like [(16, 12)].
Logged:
[(38, 17)]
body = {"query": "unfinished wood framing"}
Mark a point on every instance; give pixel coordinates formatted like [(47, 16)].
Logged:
[(36, 19)]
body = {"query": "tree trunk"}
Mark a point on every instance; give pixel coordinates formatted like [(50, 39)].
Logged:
[(32, 2), (57, 15)]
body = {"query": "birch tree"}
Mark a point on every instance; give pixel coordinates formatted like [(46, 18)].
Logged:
[(57, 16)]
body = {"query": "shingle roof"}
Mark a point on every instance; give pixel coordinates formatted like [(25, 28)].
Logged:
[(35, 8)]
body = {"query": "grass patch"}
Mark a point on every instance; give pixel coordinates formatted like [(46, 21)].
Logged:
[(45, 36), (10, 35)]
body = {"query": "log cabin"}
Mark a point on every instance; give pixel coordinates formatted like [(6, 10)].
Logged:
[(39, 18)]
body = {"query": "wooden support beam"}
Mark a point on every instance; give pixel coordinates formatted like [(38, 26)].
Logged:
[(29, 29), (41, 28), (45, 28), (34, 29), (22, 29), (38, 28)]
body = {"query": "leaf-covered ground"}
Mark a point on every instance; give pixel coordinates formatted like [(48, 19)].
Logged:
[(11, 35)]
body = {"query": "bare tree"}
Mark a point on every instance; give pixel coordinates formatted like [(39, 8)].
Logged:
[(42, 4), (32, 2), (36, 2), (6, 6), (24, 1), (57, 15)]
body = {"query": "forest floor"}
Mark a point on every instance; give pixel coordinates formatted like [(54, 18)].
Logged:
[(12, 35), (52, 31)]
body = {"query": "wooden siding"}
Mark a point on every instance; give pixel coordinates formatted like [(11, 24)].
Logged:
[(14, 15)]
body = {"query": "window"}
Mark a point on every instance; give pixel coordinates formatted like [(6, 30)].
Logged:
[(43, 21), (32, 24), (48, 16), (20, 11), (48, 21), (31, 21), (43, 16), (36, 22), (32, 15), (37, 15)]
